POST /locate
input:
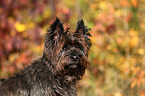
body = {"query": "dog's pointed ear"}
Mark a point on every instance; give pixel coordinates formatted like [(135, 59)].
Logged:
[(56, 29), (81, 28), (57, 25)]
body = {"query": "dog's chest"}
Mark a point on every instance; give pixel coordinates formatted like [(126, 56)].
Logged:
[(53, 91)]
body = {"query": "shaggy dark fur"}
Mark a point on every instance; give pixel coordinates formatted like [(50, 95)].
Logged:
[(56, 73)]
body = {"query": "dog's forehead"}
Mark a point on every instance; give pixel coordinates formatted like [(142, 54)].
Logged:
[(72, 37)]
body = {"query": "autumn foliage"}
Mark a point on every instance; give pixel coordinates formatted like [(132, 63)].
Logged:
[(117, 56)]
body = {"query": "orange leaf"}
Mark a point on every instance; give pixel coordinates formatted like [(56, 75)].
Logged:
[(142, 93), (133, 84), (134, 3), (124, 3)]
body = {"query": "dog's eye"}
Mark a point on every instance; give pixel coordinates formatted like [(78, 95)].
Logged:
[(64, 48)]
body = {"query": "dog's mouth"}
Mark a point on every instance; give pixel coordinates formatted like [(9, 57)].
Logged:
[(71, 65), (72, 69)]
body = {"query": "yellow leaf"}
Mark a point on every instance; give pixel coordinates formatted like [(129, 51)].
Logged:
[(118, 13), (93, 39), (142, 25), (20, 27), (103, 5), (117, 94), (31, 25), (12, 57), (141, 51), (134, 39), (133, 32), (46, 13), (133, 42)]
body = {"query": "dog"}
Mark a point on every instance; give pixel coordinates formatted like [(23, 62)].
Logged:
[(56, 72)]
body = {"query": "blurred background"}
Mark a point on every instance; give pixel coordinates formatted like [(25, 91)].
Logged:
[(117, 55)]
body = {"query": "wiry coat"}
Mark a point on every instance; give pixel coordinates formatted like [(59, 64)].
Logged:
[(56, 73)]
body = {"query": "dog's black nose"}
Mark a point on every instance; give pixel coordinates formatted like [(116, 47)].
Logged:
[(74, 57)]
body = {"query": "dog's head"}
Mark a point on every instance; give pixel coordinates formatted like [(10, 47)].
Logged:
[(67, 52)]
